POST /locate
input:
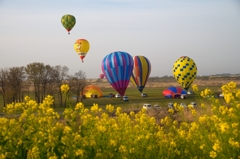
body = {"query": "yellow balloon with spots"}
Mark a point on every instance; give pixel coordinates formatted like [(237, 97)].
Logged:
[(81, 46), (184, 71)]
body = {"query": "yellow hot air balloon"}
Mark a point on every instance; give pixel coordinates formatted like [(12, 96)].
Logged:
[(81, 46), (92, 90), (184, 71)]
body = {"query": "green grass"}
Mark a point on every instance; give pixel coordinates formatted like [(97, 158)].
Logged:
[(135, 100)]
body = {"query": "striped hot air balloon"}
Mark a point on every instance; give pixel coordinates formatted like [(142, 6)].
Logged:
[(117, 68), (141, 72)]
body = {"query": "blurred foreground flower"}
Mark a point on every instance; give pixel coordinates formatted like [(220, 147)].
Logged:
[(64, 88), (194, 88)]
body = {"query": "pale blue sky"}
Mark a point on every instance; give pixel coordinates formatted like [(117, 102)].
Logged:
[(208, 31)]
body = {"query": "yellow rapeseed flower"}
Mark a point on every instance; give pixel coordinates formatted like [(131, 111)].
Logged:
[(53, 157), (64, 88), (94, 108), (202, 146), (206, 93), (228, 97), (213, 154), (79, 152), (122, 148), (171, 110), (79, 106), (118, 110), (27, 98), (223, 127), (232, 85), (217, 146), (110, 108), (194, 88)]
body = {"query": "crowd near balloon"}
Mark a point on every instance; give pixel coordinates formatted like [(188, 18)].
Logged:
[(119, 67)]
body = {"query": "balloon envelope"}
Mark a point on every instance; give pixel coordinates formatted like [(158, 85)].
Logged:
[(184, 71), (90, 90), (117, 68), (141, 72), (81, 46), (68, 22), (101, 76), (173, 92)]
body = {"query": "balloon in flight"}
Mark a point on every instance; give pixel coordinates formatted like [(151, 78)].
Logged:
[(141, 72), (101, 76), (184, 71), (117, 68), (68, 22), (81, 46)]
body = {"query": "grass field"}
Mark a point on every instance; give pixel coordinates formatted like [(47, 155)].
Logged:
[(153, 89)]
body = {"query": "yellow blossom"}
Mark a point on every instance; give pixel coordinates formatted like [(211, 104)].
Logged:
[(202, 146), (206, 93), (110, 108), (79, 152), (232, 85), (237, 94), (64, 88), (171, 110), (213, 154), (27, 98), (217, 147), (223, 127), (195, 88), (122, 148), (79, 106)]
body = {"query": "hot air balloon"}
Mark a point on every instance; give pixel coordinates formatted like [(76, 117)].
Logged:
[(173, 92), (81, 46), (141, 72), (68, 22), (117, 68), (92, 91), (185, 71), (101, 76)]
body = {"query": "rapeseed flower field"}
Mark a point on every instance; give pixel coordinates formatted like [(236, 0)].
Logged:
[(40, 132)]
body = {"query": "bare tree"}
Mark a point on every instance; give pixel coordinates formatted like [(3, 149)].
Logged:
[(3, 84), (77, 82), (35, 73), (16, 77), (60, 75), (48, 79)]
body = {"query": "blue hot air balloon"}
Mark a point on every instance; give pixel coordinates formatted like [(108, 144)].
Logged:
[(117, 68)]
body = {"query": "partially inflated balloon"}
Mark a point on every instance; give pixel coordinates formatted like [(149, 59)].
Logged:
[(185, 71), (141, 72), (81, 46), (117, 68), (90, 90), (68, 22)]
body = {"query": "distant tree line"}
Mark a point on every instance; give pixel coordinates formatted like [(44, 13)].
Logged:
[(39, 80)]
